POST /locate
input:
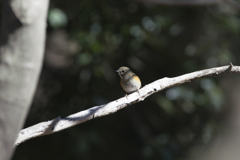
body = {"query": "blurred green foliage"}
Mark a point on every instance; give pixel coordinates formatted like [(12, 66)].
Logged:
[(155, 41), (57, 18)]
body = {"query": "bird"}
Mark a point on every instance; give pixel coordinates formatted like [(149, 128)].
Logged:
[(130, 82)]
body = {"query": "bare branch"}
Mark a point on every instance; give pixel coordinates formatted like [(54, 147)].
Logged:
[(233, 4), (181, 2), (58, 124)]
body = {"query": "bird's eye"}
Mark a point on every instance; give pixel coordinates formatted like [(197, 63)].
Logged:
[(123, 71)]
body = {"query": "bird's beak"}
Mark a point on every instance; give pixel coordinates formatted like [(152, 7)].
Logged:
[(117, 70)]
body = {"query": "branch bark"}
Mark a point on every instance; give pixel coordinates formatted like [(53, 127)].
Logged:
[(22, 40), (58, 124)]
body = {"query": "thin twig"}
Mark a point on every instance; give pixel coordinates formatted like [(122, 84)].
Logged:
[(233, 4), (181, 2)]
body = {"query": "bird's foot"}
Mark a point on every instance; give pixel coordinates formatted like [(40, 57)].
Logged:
[(138, 93), (126, 96)]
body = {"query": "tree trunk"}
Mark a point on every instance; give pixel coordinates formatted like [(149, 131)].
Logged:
[(22, 40)]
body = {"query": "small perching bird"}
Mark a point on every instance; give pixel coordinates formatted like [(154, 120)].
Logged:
[(130, 82)]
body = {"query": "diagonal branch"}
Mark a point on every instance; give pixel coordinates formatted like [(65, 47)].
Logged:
[(58, 124)]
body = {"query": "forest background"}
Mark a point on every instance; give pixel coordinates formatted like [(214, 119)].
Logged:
[(87, 41)]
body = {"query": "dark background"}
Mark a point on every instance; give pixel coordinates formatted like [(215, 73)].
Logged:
[(88, 40)]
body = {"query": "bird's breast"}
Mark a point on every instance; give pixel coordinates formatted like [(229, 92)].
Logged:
[(131, 85)]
